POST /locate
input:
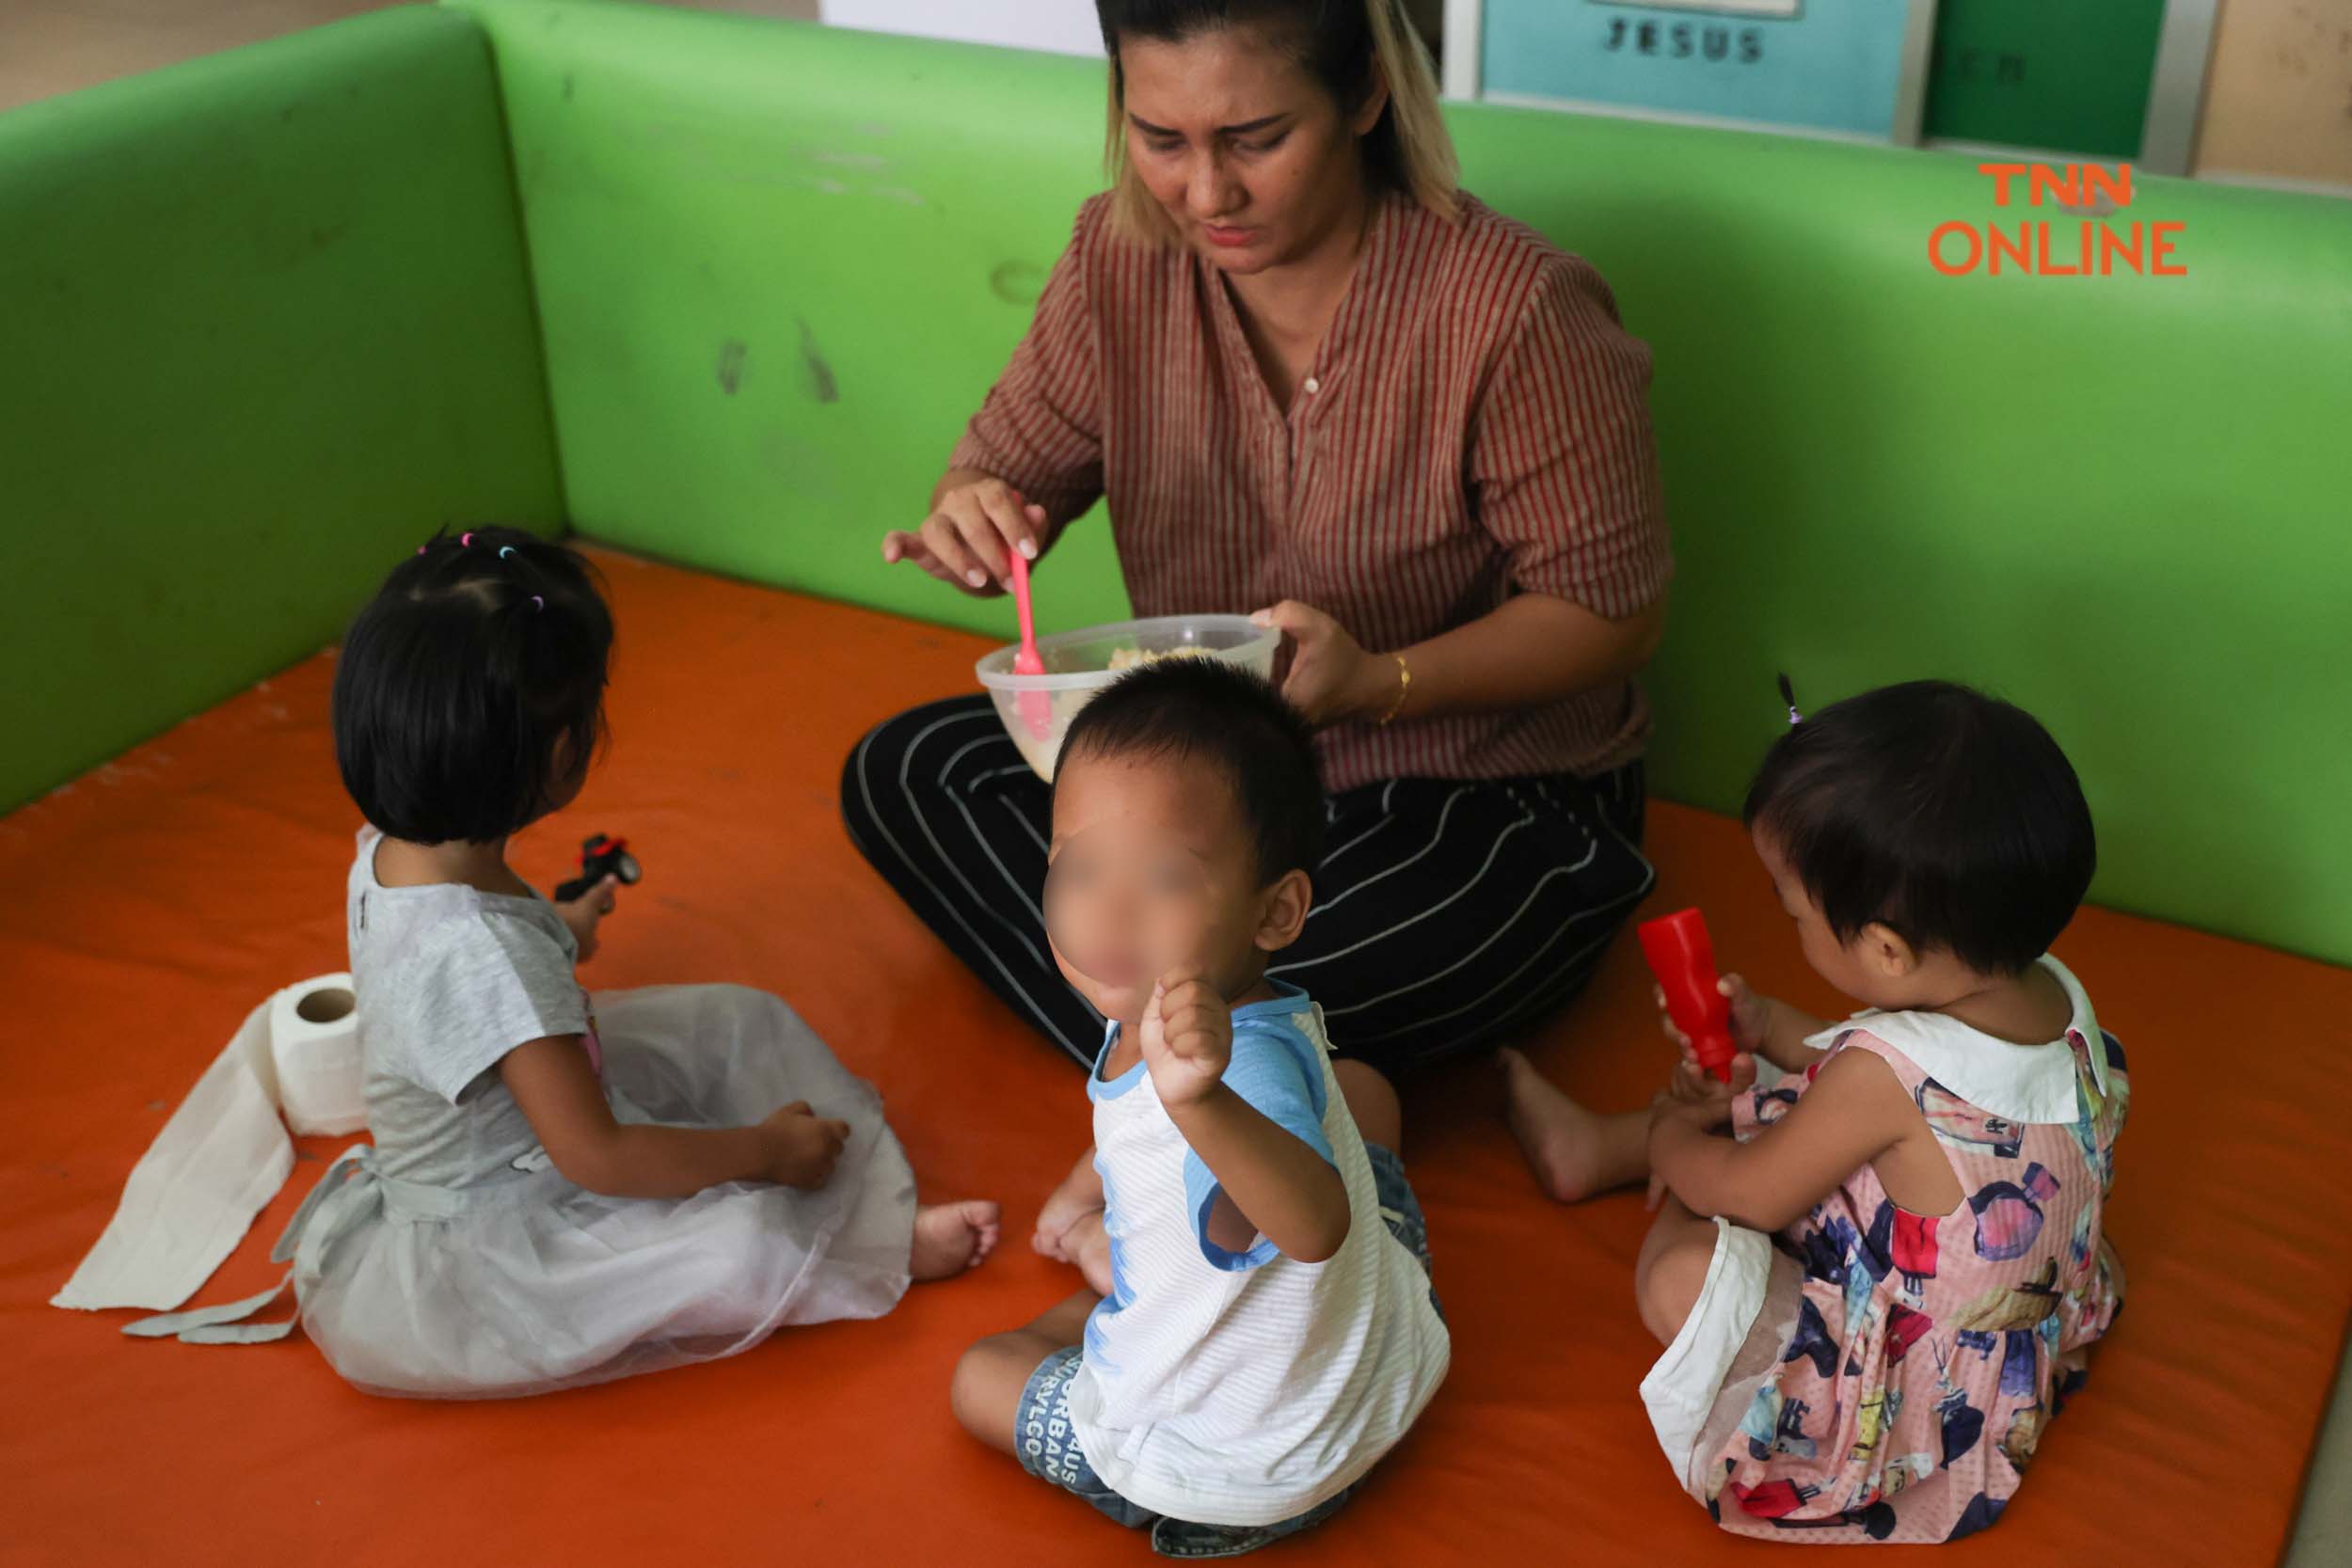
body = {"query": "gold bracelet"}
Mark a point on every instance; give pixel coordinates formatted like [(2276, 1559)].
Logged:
[(1404, 690)]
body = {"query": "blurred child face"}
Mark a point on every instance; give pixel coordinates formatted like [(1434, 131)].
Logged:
[(1152, 868)]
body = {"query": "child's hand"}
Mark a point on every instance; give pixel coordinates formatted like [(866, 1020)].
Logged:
[(802, 1146), (1064, 1209), (1706, 1114), (1693, 1086), (1751, 1023), (1187, 1037), (582, 914)]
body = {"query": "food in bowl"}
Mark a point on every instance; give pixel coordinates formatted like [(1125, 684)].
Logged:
[(1079, 664), (1135, 658)]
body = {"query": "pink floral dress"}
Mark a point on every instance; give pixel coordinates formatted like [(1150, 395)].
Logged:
[(1872, 1374)]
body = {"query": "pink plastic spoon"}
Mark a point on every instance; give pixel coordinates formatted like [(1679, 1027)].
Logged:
[(1037, 707)]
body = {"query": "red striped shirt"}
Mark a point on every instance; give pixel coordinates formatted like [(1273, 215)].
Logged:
[(1475, 426)]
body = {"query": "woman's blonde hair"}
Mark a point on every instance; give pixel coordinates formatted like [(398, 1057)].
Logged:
[(1347, 45)]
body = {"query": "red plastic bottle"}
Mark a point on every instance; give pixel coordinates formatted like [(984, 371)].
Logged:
[(1684, 961)]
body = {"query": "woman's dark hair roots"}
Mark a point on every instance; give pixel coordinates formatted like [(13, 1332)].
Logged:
[(1330, 40)]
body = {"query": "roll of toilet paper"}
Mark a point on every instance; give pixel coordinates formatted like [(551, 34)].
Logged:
[(315, 1045), (192, 1196)]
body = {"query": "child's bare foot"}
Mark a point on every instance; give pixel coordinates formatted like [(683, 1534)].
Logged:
[(951, 1238), (1089, 1245), (1574, 1152)]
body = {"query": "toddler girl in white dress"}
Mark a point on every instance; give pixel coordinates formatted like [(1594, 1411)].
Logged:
[(562, 1190)]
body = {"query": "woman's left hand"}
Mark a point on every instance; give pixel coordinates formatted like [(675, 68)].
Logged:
[(1333, 679)]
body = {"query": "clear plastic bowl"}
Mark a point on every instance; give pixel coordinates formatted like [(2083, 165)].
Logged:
[(1078, 665)]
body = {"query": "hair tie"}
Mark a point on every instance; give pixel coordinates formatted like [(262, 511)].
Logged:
[(538, 601), (420, 550), (464, 538), (505, 550), (1790, 696)]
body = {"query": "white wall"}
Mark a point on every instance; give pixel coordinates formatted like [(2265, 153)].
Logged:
[(1066, 26)]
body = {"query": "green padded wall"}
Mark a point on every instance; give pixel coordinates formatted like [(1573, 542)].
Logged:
[(267, 324), (778, 265), (2119, 501)]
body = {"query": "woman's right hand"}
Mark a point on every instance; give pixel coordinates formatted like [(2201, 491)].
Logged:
[(967, 539), (801, 1147)]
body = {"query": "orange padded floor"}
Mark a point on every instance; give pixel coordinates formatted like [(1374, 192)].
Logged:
[(148, 906)]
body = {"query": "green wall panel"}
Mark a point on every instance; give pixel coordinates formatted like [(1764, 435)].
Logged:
[(778, 265), (2120, 501), (266, 322)]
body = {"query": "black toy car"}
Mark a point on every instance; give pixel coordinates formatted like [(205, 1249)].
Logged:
[(599, 857)]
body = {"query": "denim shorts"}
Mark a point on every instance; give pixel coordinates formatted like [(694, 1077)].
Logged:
[(1048, 1449)]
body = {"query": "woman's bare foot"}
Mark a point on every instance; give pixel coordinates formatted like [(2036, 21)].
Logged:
[(1574, 1152), (951, 1238), (1089, 1245)]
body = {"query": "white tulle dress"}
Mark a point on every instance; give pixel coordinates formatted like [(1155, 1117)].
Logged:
[(451, 1259)]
